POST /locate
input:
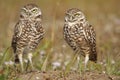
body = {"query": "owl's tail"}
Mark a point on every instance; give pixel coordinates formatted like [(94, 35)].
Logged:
[(16, 59), (93, 56)]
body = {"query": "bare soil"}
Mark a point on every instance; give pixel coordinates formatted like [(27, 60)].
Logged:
[(72, 75)]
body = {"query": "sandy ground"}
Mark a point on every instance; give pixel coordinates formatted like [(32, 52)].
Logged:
[(60, 75)]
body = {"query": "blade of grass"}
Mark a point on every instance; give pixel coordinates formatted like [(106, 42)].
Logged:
[(4, 56), (70, 63)]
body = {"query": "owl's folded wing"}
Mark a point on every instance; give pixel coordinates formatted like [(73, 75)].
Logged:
[(17, 34)]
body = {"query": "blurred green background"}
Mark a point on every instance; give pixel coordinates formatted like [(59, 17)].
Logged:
[(104, 15)]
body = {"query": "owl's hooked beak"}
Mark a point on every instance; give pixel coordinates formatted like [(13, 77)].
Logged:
[(71, 18), (29, 14)]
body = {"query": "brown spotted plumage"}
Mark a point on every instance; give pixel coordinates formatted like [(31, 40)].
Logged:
[(28, 33), (80, 35)]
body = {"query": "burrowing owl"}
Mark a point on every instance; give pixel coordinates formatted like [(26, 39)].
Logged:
[(28, 33), (80, 35)]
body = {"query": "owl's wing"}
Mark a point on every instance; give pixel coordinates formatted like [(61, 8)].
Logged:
[(17, 33), (90, 38), (90, 34), (39, 30)]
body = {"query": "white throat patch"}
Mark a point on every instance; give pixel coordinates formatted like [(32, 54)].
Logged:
[(71, 23)]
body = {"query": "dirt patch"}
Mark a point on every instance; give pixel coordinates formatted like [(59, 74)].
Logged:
[(72, 75)]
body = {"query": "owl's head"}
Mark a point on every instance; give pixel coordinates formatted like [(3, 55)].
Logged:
[(30, 11), (74, 15)]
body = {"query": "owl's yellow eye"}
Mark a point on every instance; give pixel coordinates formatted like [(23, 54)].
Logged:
[(77, 14), (24, 11), (34, 10)]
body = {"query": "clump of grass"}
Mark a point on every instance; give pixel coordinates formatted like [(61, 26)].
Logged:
[(4, 69), (111, 67), (70, 64)]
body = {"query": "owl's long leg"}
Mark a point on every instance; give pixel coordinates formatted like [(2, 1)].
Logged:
[(21, 61), (86, 60), (78, 58), (78, 61), (30, 59)]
